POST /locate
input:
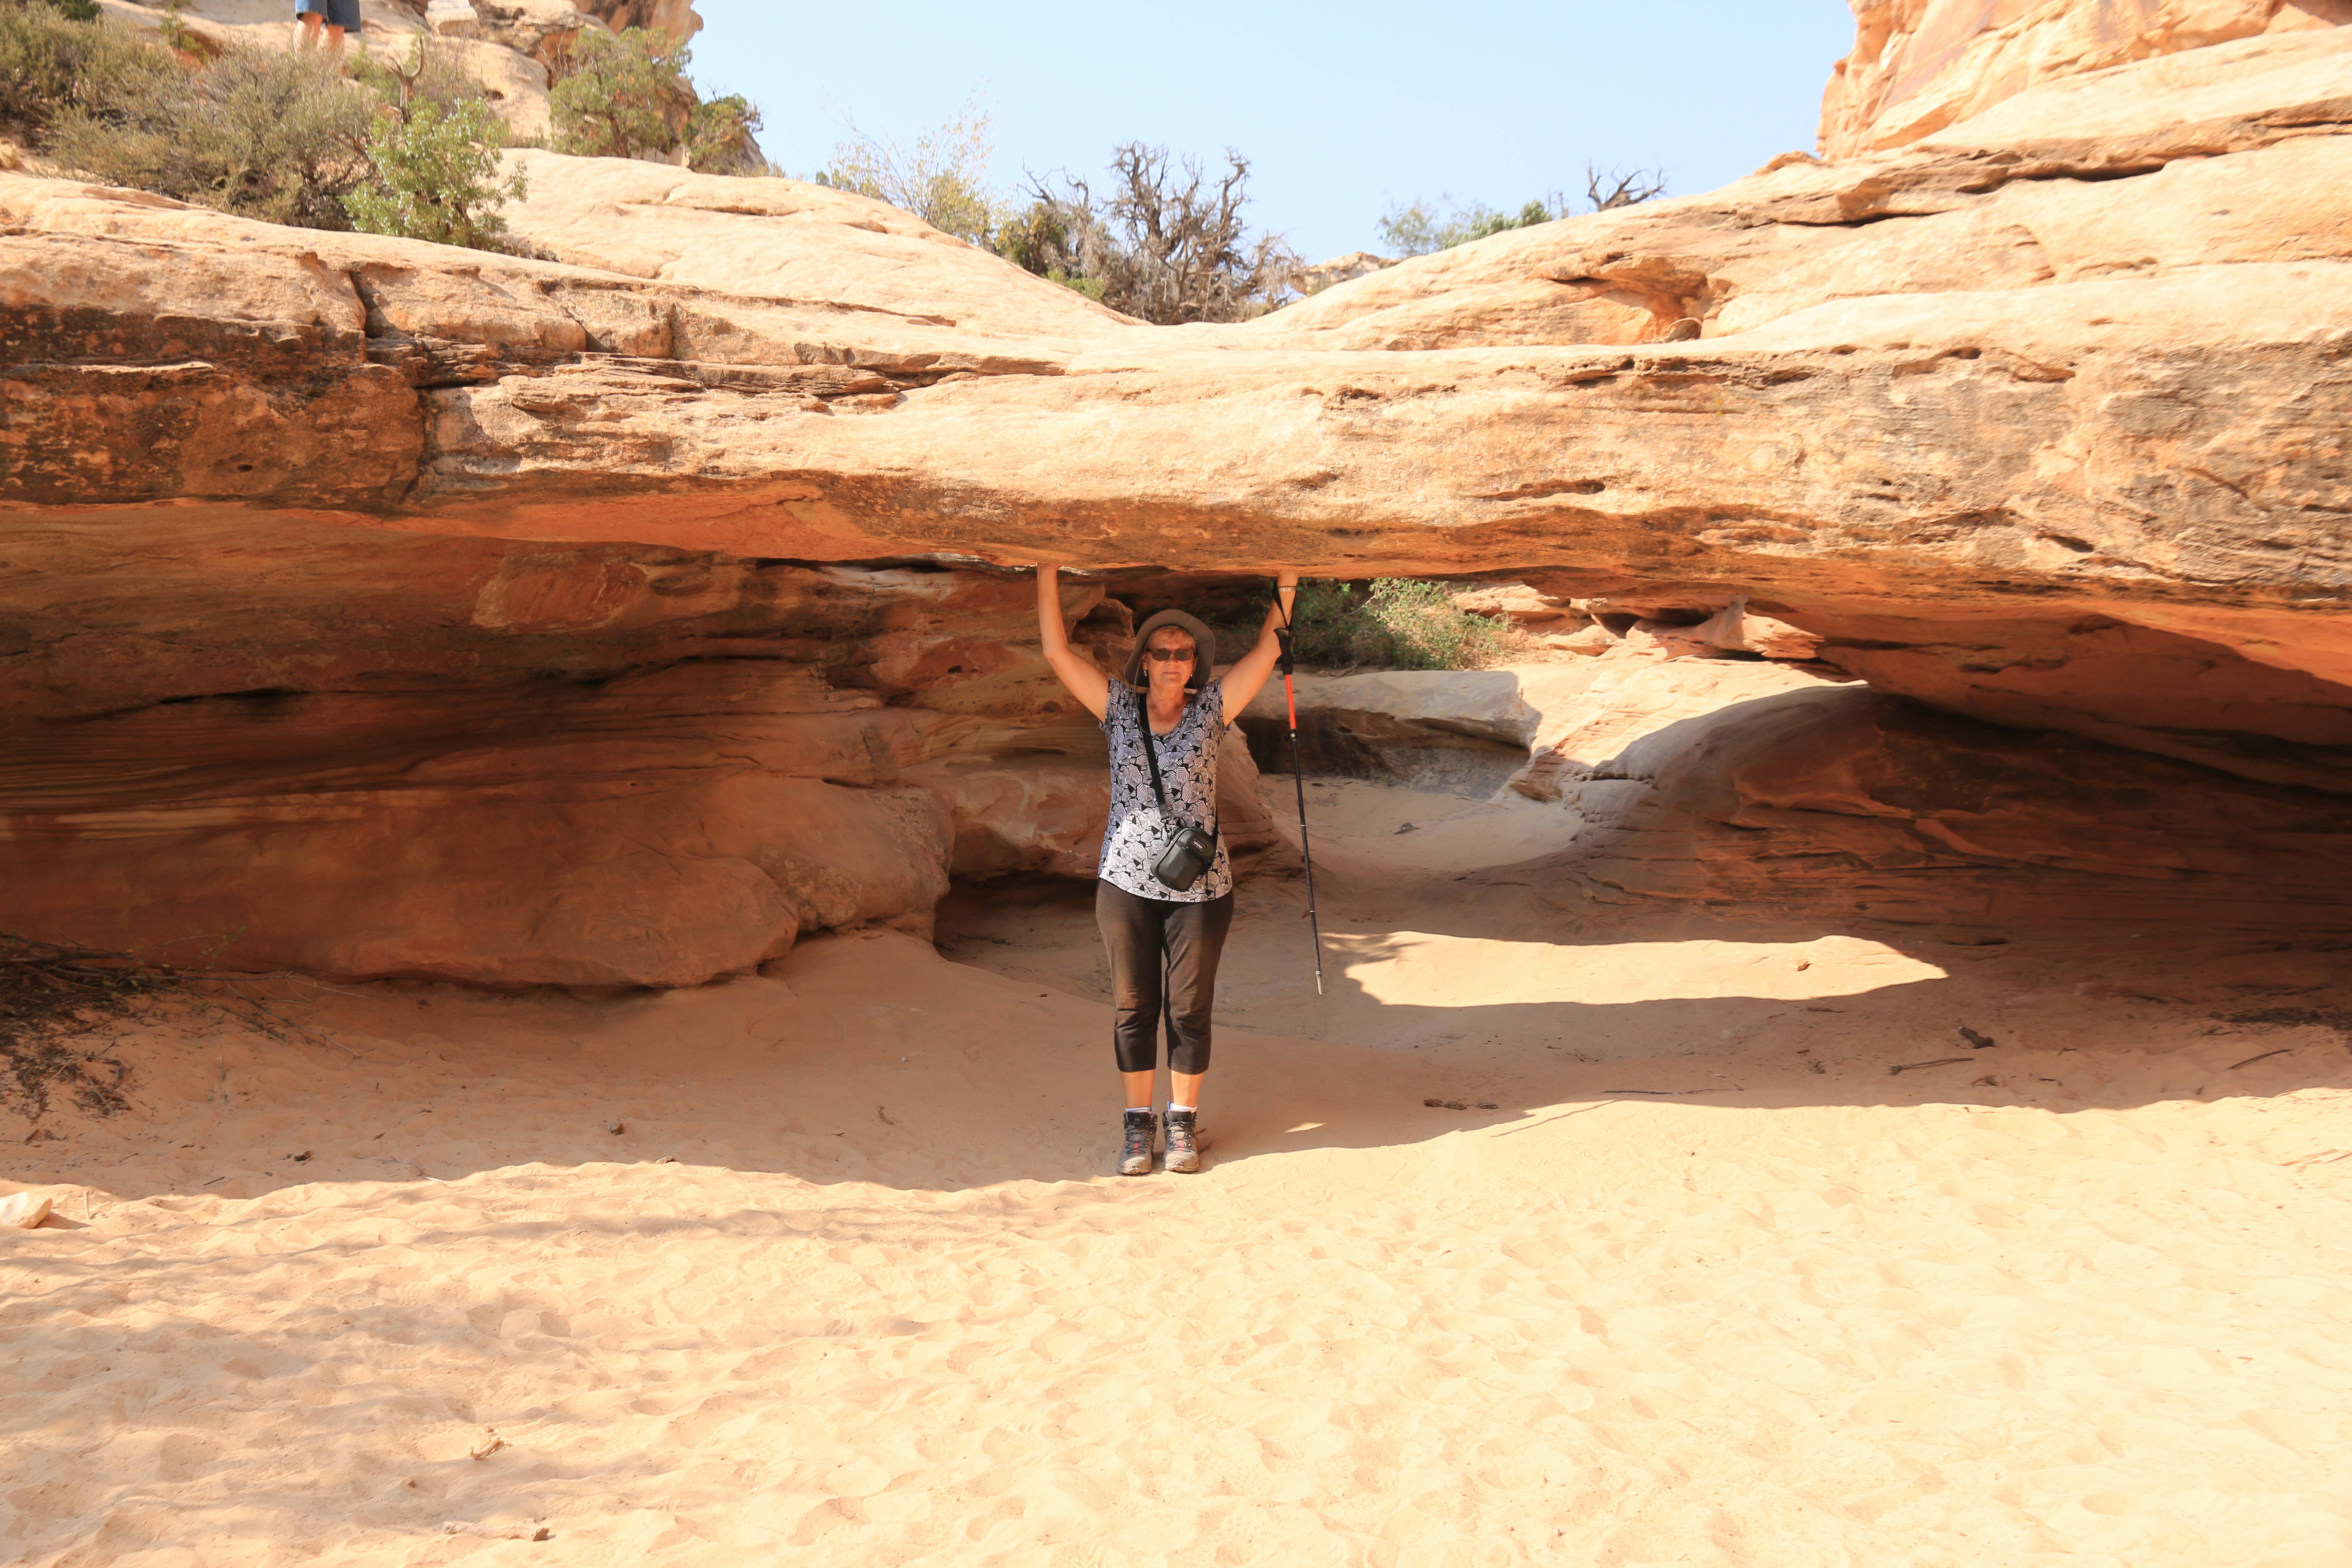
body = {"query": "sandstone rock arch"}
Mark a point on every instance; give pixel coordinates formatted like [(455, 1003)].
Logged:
[(372, 608)]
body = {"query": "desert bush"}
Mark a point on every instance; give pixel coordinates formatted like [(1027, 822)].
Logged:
[(1618, 189), (1037, 239), (434, 173), (1388, 623), (626, 95), (53, 61), (432, 158), (264, 133), (722, 137), (1419, 228), (1167, 245), (431, 75), (281, 136), (1424, 628), (941, 177), (623, 95)]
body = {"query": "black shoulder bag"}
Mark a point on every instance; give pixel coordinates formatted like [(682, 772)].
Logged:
[(1189, 852)]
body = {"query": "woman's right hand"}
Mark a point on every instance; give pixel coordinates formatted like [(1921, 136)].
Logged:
[(1073, 669)]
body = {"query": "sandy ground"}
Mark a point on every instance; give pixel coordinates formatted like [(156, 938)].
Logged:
[(853, 1285)]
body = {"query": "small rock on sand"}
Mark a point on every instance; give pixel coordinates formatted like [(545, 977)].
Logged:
[(23, 1210)]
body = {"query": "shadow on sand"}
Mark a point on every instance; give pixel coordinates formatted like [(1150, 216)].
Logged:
[(867, 1057)]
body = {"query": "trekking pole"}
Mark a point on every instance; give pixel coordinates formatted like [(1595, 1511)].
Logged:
[(1298, 779)]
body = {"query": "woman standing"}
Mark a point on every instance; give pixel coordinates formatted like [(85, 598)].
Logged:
[(1165, 720)]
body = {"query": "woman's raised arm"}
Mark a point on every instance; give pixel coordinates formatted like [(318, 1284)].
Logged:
[(1249, 672), (1077, 672)]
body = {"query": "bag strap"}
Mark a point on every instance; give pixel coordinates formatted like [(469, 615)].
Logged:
[(1152, 755)]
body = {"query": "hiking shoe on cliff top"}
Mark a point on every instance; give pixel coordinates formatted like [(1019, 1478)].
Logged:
[(1184, 1141), (1135, 1159)]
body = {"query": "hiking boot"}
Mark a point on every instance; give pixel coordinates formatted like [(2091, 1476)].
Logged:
[(1184, 1141), (1135, 1160)]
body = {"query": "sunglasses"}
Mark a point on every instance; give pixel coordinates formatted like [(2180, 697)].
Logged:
[(1168, 655)]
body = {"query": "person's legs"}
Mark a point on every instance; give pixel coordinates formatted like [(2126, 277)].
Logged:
[(1131, 933), (341, 17), (1195, 941), (1132, 938), (306, 29)]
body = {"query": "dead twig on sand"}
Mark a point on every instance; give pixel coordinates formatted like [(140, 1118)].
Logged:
[(2250, 1061), (1938, 1062), (260, 1015), (55, 994), (51, 996), (1548, 1120), (1727, 1088)]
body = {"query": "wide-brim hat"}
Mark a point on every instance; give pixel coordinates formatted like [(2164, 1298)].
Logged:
[(1204, 648)]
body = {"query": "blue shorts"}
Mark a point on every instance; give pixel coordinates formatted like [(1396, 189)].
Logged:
[(343, 14)]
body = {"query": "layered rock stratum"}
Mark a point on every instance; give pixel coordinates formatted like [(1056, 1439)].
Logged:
[(371, 607)]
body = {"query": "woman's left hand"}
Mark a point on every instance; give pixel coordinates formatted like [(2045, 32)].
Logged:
[(1249, 673)]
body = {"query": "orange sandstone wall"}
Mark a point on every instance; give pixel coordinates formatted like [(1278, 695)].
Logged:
[(1920, 65)]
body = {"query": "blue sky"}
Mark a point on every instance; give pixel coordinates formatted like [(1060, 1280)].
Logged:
[(1342, 110)]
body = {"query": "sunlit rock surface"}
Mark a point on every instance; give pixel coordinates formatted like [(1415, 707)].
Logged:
[(1919, 65)]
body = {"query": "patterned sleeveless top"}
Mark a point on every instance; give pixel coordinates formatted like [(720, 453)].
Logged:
[(1188, 767)]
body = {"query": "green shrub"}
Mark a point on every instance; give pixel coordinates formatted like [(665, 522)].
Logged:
[(281, 136), (52, 62), (1426, 630), (264, 133), (435, 175), (1418, 229), (1389, 622), (626, 95), (623, 95), (722, 137), (432, 158)]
